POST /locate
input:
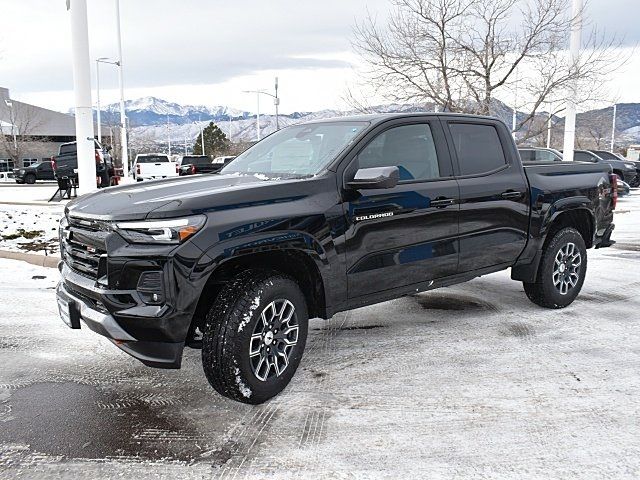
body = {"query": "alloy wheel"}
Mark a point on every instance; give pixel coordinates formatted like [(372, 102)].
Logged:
[(273, 339), (566, 268)]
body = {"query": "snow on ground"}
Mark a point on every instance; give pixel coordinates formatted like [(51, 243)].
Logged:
[(471, 381), (28, 223), (30, 228)]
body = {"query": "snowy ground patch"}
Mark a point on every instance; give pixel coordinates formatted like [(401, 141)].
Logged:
[(30, 228)]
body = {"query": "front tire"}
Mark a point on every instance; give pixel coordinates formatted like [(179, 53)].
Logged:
[(562, 271), (254, 336), (30, 179)]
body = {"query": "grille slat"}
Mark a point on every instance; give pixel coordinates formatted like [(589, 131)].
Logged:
[(83, 245)]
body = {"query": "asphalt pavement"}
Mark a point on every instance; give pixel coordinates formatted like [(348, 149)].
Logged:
[(472, 381)]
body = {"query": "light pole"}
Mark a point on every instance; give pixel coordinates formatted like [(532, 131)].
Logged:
[(574, 54), (98, 62), (276, 102), (613, 127), (201, 135), (168, 136), (123, 121), (82, 93), (9, 104)]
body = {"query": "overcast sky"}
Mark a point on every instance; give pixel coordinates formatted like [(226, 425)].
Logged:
[(209, 51)]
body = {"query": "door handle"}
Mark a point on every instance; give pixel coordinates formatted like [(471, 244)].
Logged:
[(442, 202), (511, 194)]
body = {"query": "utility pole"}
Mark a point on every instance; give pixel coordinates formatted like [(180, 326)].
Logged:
[(9, 104), (276, 102), (98, 62), (574, 54), (82, 93), (549, 130), (98, 100), (123, 117), (258, 116), (168, 136), (201, 135), (613, 127)]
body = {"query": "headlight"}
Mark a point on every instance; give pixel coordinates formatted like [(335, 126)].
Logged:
[(21, 171), (630, 166), (172, 231)]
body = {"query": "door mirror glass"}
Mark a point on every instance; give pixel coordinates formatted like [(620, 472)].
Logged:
[(376, 177)]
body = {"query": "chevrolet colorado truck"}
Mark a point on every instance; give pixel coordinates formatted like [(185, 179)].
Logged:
[(315, 219)]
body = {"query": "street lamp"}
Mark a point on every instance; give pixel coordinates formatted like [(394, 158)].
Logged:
[(9, 104), (123, 117), (98, 62), (276, 102)]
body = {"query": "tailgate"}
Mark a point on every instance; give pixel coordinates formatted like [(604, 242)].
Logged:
[(158, 169)]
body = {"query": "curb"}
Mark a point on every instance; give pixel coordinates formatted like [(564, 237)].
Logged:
[(36, 203), (50, 261)]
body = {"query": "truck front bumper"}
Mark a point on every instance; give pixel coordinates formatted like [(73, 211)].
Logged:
[(81, 301)]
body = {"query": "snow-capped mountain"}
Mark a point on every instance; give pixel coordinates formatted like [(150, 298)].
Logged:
[(154, 122), (155, 111)]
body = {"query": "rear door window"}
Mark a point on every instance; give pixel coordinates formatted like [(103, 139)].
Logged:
[(478, 148), (583, 157), (153, 159), (64, 149), (526, 155)]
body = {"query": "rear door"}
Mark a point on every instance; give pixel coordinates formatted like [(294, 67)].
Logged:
[(407, 234), (45, 171), (494, 193)]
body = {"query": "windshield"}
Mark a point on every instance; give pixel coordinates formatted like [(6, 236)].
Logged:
[(297, 150), (606, 155), (196, 161)]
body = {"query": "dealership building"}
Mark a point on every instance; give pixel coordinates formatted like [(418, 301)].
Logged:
[(30, 133)]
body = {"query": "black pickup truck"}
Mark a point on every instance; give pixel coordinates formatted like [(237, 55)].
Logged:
[(66, 163), (315, 219), (42, 170)]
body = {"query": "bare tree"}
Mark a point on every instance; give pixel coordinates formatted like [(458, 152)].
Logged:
[(19, 131), (461, 55)]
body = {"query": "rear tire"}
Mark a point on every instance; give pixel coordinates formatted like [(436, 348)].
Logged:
[(246, 356), (562, 271)]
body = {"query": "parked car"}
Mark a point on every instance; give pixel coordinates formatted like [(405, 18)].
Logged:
[(623, 168), (153, 167), (38, 171), (614, 156), (539, 154), (319, 218), (220, 162), (192, 164), (65, 164), (6, 176)]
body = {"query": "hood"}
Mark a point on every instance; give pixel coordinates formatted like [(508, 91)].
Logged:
[(180, 196)]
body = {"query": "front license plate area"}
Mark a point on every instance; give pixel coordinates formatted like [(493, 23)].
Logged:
[(69, 313)]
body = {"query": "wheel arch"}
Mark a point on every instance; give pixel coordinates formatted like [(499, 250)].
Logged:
[(565, 215), (295, 263)]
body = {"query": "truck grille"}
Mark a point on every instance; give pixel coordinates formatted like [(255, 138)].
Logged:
[(83, 247)]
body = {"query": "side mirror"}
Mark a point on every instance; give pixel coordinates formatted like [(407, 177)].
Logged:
[(376, 177)]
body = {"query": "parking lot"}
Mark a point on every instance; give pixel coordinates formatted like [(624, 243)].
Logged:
[(468, 381)]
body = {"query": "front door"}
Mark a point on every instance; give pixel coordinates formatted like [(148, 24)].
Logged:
[(407, 234)]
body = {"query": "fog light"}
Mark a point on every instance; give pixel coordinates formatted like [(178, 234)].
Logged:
[(151, 287)]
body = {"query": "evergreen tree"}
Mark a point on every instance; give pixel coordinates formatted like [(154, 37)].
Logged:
[(215, 141)]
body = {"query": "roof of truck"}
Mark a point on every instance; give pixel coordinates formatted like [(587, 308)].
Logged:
[(381, 117)]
